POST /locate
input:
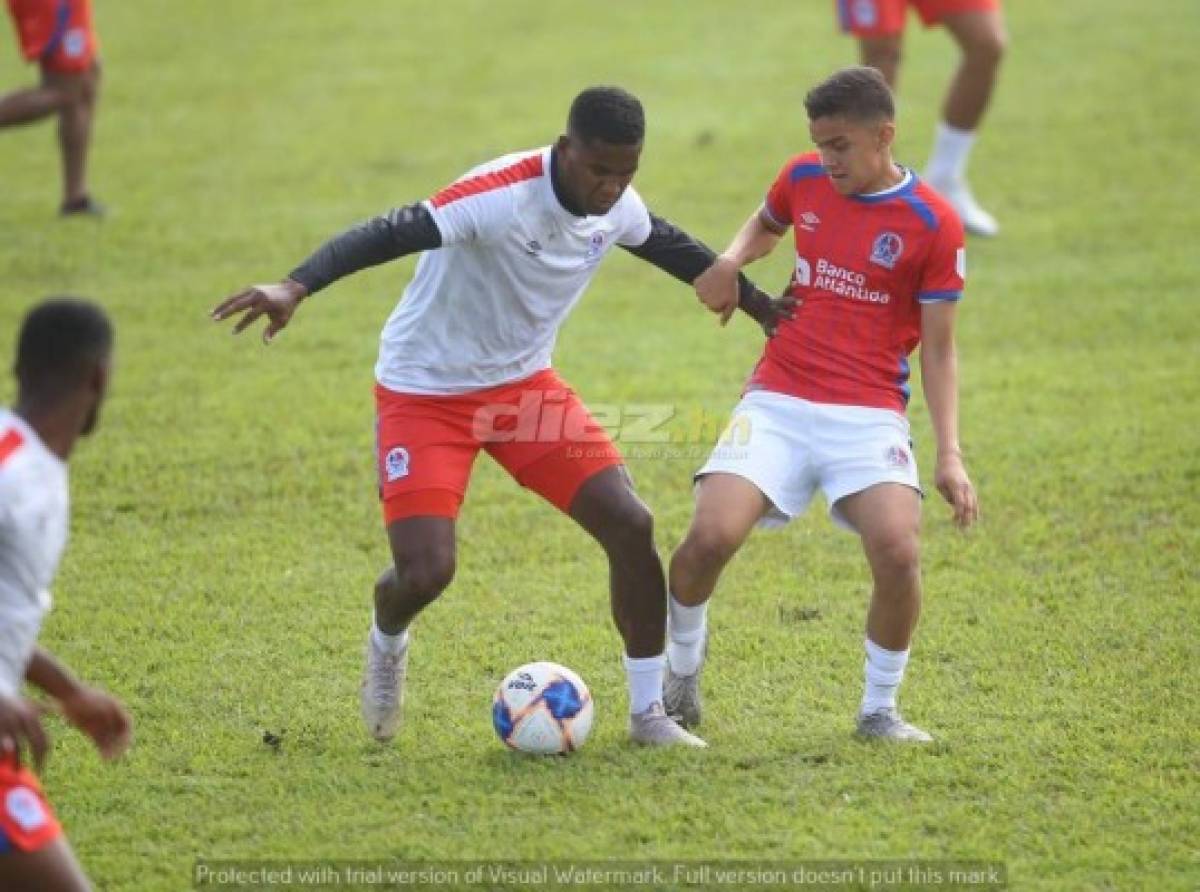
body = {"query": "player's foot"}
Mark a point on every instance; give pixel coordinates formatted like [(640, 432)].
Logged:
[(382, 691), (681, 697), (655, 728), (82, 207), (975, 219), (886, 724)]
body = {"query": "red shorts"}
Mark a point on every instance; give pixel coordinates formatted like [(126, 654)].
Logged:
[(537, 429), (27, 822), (58, 33), (885, 18)]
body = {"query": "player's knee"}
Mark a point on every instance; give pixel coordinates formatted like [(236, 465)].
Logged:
[(629, 527), (987, 48), (710, 546), (897, 554), (427, 573)]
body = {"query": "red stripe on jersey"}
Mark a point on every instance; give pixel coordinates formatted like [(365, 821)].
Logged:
[(10, 443), (523, 170)]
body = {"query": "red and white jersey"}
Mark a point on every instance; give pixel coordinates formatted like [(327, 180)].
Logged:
[(864, 265), (485, 308), (34, 505)]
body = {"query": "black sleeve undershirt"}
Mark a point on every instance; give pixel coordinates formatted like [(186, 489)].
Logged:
[(399, 232), (675, 252)]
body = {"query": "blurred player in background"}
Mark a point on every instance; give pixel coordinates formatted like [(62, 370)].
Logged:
[(63, 359), (978, 29), (464, 366), (879, 268), (59, 35)]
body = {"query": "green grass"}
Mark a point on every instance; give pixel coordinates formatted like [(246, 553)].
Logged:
[(225, 537)]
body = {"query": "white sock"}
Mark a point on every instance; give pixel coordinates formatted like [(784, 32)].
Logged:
[(645, 681), (948, 160), (388, 644), (884, 670), (686, 628)]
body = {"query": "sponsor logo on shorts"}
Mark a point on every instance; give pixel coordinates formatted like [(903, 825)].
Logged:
[(887, 250), (395, 464), (24, 807), (896, 457)]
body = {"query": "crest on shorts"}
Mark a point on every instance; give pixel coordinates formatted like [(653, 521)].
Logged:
[(395, 464), (865, 14), (896, 457), (887, 249), (24, 807)]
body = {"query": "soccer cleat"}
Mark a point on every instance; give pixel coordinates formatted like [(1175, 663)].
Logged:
[(382, 691), (975, 219), (655, 728), (886, 724), (681, 697), (83, 207)]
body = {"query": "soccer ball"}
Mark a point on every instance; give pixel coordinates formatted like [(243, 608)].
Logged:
[(542, 708)]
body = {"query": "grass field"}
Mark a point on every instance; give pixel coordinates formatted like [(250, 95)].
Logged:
[(225, 537)]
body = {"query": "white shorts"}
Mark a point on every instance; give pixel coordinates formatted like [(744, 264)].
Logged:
[(787, 447)]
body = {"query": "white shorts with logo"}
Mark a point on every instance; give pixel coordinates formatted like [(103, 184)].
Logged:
[(788, 447)]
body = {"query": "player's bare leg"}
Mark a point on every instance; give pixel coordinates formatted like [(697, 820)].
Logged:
[(75, 135), (887, 517), (52, 868), (423, 554), (727, 508), (609, 509), (982, 39), (884, 54), (30, 104)]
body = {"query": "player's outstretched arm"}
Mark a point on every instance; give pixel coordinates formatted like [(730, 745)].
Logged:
[(687, 259), (96, 713), (399, 232), (717, 288), (939, 375)]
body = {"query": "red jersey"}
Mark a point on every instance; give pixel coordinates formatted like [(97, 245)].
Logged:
[(864, 265)]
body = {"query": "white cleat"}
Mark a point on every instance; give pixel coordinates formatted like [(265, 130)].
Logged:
[(382, 691), (655, 728), (975, 219), (886, 724)]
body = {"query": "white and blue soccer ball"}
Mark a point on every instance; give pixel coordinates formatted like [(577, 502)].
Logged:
[(542, 708)]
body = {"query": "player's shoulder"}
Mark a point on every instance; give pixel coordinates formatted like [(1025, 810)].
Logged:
[(24, 460), (497, 177), (804, 166), (527, 159), (934, 211)]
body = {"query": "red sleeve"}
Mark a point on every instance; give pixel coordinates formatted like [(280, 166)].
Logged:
[(946, 266), (778, 203)]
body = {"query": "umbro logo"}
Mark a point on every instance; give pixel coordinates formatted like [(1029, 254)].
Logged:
[(809, 221), (533, 246)]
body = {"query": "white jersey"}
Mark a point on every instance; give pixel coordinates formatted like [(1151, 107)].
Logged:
[(485, 308), (34, 506)]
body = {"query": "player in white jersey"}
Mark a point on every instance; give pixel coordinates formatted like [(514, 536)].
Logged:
[(464, 366), (63, 358)]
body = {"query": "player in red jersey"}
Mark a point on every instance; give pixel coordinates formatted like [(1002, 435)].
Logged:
[(978, 29), (59, 35), (63, 360), (879, 268)]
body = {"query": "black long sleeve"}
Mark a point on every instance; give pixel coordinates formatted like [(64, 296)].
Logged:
[(401, 231), (675, 252)]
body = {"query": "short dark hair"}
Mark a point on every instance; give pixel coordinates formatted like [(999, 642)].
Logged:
[(859, 93), (607, 114), (61, 341)]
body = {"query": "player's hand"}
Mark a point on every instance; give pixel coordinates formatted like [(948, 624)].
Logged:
[(277, 302), (770, 311), (717, 287), (21, 728), (955, 486), (101, 717)]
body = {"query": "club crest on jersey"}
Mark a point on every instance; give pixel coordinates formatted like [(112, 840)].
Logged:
[(395, 464), (595, 247), (887, 250)]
